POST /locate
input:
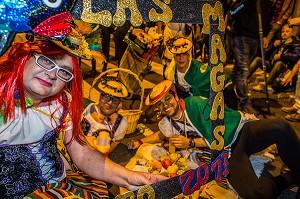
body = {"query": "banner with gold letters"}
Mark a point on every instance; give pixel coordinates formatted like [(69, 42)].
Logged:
[(210, 14), (106, 12)]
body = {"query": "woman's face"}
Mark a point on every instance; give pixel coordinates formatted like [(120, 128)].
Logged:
[(40, 83)]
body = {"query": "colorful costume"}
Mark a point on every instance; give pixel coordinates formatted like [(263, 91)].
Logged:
[(196, 82), (116, 129), (245, 136), (196, 126), (30, 159), (195, 106)]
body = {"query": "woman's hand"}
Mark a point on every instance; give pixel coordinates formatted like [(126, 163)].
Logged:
[(138, 179)]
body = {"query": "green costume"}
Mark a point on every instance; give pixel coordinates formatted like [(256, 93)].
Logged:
[(197, 77), (198, 111)]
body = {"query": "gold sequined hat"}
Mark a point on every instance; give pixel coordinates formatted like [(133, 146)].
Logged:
[(158, 92), (113, 86), (179, 45)]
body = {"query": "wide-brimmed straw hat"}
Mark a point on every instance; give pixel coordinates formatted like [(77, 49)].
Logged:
[(113, 86), (158, 92), (179, 45)]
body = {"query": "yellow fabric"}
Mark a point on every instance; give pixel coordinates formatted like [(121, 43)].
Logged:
[(170, 70), (212, 190), (101, 143)]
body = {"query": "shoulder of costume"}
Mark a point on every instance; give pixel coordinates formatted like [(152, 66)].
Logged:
[(196, 64), (90, 106), (195, 99), (164, 121)]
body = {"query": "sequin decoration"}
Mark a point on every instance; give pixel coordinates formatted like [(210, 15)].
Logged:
[(216, 43), (146, 190), (187, 11), (5, 28), (23, 15), (127, 195), (50, 28), (165, 16), (218, 103), (215, 12), (103, 17), (217, 81), (14, 13), (218, 144), (120, 15)]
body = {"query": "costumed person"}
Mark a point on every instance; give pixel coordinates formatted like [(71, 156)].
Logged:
[(187, 124), (41, 98), (192, 77), (170, 30), (103, 126)]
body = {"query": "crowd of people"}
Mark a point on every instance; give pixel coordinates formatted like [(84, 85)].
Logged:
[(42, 105)]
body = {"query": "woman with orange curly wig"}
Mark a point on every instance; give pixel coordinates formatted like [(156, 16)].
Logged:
[(41, 97)]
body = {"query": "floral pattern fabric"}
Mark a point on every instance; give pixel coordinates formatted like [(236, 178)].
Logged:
[(24, 168)]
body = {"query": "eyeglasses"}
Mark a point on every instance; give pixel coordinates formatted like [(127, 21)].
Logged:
[(167, 100), (107, 97), (48, 65)]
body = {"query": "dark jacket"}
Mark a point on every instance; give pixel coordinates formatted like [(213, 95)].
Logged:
[(245, 18), (289, 52)]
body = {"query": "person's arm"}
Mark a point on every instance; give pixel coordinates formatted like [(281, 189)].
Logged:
[(97, 166), (156, 137), (184, 142), (277, 43), (277, 56), (295, 71), (286, 15), (294, 21), (265, 42)]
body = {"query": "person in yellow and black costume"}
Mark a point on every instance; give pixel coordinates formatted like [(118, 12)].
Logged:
[(103, 126)]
